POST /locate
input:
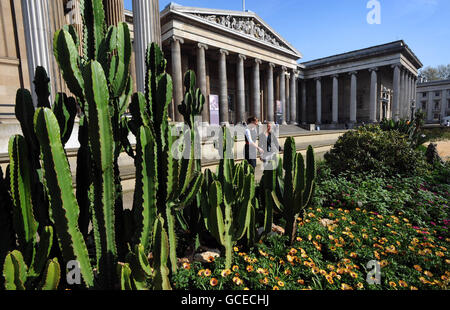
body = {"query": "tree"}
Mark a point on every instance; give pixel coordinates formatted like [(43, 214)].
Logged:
[(441, 72)]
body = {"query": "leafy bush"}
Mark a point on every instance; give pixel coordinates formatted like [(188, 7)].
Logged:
[(372, 150)]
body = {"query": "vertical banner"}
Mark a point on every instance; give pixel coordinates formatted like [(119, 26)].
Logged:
[(214, 110)]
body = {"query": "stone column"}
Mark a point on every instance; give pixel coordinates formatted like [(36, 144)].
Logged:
[(396, 95), (293, 98), (177, 76), (240, 91), (256, 91), (223, 98), (373, 95), (147, 29), (287, 98), (335, 104), (408, 96), (270, 94), (430, 107), (404, 90), (444, 103), (114, 11), (201, 78), (318, 101), (37, 30), (283, 94), (57, 21), (304, 118), (353, 97)]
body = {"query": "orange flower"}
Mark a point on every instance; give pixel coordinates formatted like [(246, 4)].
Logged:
[(418, 268), (393, 284), (186, 266), (402, 283), (213, 282), (250, 268), (329, 279), (301, 281)]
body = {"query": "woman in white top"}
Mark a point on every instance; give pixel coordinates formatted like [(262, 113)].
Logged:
[(250, 141)]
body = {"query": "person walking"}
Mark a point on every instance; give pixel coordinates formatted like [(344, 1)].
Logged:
[(269, 143), (251, 147)]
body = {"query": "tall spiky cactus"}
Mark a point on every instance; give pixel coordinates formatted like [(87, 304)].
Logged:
[(177, 183), (63, 203), (295, 189), (228, 204)]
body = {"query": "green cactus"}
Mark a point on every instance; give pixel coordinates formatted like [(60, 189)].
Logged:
[(15, 271), (160, 256), (20, 177), (295, 189), (52, 275), (229, 203), (177, 184), (63, 203)]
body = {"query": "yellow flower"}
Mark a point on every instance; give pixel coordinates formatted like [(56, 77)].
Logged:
[(235, 268), (346, 287), (392, 283), (384, 263), (207, 273), (418, 268), (201, 272), (186, 266), (440, 254), (225, 273), (250, 268), (360, 285), (276, 288), (427, 273), (280, 283), (413, 288), (236, 249), (353, 255), (213, 282), (287, 272), (353, 274), (237, 281)]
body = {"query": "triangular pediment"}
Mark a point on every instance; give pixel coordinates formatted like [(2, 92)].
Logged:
[(246, 24)]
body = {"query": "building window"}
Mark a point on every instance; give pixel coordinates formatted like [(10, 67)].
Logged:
[(436, 116), (424, 94), (437, 105), (424, 106), (437, 94), (448, 92)]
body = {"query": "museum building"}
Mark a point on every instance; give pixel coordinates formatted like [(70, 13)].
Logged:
[(243, 66)]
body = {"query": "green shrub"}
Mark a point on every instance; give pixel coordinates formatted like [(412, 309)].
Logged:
[(372, 150)]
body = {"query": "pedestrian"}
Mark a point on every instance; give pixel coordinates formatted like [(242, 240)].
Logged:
[(251, 147)]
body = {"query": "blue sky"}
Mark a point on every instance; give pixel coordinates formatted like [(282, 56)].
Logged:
[(320, 28)]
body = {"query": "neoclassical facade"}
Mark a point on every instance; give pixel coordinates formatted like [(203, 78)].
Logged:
[(433, 98), (246, 67), (243, 66)]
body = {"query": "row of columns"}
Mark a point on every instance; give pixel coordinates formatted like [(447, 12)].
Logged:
[(240, 85), (404, 85)]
